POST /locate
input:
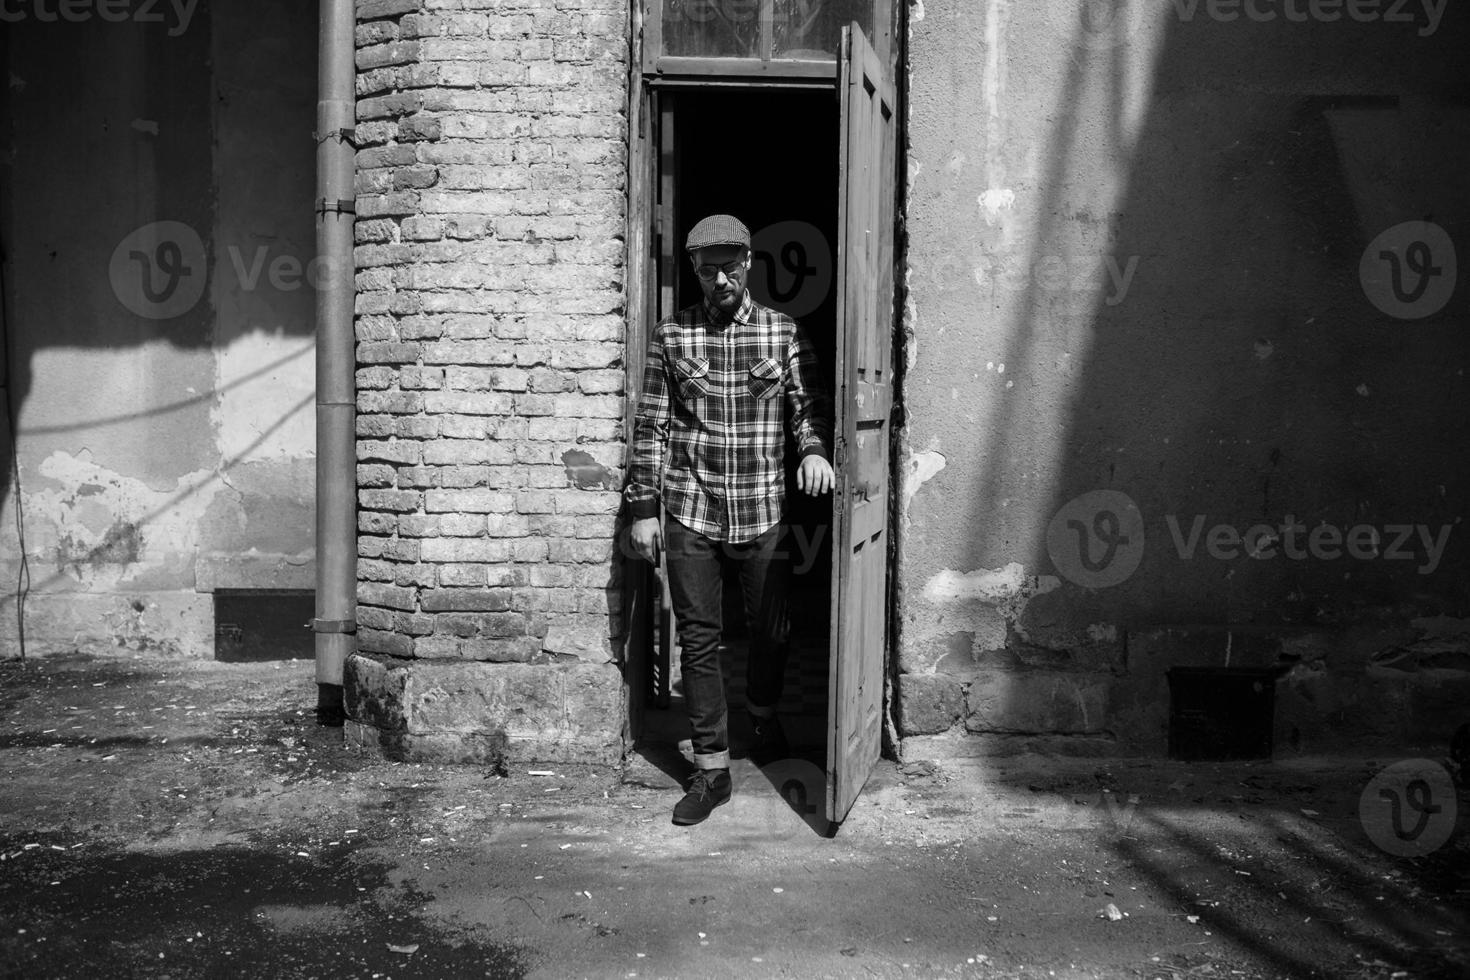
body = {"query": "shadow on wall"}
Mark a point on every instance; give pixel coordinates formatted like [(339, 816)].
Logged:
[(157, 228), (1221, 409)]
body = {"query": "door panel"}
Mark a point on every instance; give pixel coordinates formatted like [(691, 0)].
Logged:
[(863, 401)]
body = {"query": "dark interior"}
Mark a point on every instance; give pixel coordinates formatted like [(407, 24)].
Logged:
[(771, 159)]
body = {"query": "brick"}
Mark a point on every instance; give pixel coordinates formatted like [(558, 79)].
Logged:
[(388, 353), (498, 624), (374, 378), (375, 594), (413, 624), (462, 525), (463, 575), (529, 549), (369, 522), (416, 576), (601, 382), (551, 576), (418, 526), (562, 550), (460, 452), (414, 427), (535, 405), (467, 403), (471, 501), (370, 617), (1072, 702), (928, 703), (464, 600), (369, 570), (548, 380), (535, 502), (399, 550), (390, 402), (589, 502), (552, 429), (403, 501), (464, 426), (505, 525), (465, 550), (414, 377), (375, 475), (387, 451), (589, 406)]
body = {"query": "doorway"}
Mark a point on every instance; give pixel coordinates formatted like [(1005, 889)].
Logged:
[(770, 157), (812, 168)]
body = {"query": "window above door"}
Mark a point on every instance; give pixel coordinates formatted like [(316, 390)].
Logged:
[(766, 38)]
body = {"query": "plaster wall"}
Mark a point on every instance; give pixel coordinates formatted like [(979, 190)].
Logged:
[(158, 181), (1142, 261)]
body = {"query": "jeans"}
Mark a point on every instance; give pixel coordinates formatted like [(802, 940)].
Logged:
[(696, 567)]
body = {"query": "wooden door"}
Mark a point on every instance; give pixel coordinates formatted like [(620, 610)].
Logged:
[(865, 316)]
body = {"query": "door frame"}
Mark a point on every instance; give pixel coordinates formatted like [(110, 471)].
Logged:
[(645, 588)]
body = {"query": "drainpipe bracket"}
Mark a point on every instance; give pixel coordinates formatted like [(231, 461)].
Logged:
[(346, 135), (340, 207), (333, 625)]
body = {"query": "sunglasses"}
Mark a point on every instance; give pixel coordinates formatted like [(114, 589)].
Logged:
[(708, 273)]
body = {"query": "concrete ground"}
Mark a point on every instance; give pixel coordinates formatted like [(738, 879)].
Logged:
[(168, 819)]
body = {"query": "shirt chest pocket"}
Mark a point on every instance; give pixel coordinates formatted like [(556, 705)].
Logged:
[(765, 378), (692, 376)]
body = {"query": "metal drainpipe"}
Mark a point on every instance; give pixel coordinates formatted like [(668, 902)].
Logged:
[(336, 478)]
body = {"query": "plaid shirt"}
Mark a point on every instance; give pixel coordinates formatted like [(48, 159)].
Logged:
[(712, 407)]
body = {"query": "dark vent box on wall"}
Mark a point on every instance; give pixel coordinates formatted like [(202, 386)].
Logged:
[(1218, 713), (251, 625)]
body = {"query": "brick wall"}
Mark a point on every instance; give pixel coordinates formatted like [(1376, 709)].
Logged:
[(491, 214)]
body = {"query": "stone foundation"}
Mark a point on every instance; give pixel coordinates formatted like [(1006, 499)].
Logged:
[(1382, 684), (485, 713)]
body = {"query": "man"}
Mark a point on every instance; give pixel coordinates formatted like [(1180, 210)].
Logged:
[(708, 441)]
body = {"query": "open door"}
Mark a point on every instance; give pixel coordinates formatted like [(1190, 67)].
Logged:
[(863, 401)]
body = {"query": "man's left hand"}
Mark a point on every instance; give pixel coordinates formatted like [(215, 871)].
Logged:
[(815, 476)]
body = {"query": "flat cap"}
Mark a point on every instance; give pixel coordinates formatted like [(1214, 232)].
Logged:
[(718, 229)]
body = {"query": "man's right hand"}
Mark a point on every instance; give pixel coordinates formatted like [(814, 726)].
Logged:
[(647, 539)]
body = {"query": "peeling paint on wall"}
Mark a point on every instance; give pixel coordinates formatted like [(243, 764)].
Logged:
[(994, 201), (1010, 584), (102, 531), (922, 468), (585, 472)]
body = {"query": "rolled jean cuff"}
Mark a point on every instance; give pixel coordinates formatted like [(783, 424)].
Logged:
[(713, 760)]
